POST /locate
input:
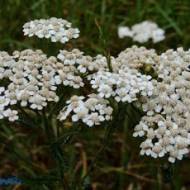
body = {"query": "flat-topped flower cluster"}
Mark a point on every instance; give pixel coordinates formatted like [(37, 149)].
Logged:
[(58, 30), (30, 79), (166, 126), (91, 111), (142, 32)]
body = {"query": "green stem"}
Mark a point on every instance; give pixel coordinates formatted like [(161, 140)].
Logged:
[(55, 148)]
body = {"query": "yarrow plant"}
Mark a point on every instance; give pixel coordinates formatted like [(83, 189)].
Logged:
[(31, 81)]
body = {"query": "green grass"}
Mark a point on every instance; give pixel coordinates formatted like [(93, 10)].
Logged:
[(89, 160)]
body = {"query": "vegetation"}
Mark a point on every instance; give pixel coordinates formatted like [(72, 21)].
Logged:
[(88, 158)]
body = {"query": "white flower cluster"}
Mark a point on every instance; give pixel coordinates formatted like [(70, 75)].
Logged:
[(166, 125), (142, 32), (57, 29), (124, 86), (81, 62), (135, 58), (32, 80), (91, 111)]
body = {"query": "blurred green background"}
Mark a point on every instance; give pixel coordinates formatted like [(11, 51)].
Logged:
[(97, 20), (119, 167)]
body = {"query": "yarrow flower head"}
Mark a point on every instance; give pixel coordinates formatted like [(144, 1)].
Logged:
[(136, 58), (32, 80), (143, 32), (92, 110), (124, 86), (57, 29), (166, 124), (83, 63)]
